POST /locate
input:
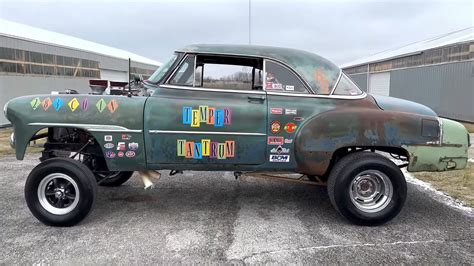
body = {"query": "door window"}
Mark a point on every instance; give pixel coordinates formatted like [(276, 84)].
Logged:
[(281, 79), (184, 76)]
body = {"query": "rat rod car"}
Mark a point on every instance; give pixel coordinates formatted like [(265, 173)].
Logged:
[(234, 108)]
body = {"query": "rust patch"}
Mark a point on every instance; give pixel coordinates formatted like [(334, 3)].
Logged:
[(323, 82)]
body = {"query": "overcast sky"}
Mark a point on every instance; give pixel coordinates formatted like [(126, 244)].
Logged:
[(338, 30)]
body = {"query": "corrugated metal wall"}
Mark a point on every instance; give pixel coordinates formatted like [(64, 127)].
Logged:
[(360, 80), (13, 85), (446, 88)]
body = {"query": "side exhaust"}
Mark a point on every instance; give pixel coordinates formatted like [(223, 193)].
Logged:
[(146, 177)]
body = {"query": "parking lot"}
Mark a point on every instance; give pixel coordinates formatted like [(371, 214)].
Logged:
[(211, 217)]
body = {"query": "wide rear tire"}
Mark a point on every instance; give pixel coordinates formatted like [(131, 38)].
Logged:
[(367, 188), (60, 191)]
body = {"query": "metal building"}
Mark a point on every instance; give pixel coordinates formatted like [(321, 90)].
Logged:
[(438, 72), (37, 61)]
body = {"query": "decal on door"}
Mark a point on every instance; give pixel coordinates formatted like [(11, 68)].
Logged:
[(206, 115), (275, 141), (205, 148), (275, 127)]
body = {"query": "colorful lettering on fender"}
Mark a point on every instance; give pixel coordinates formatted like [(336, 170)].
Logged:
[(205, 148), (206, 115)]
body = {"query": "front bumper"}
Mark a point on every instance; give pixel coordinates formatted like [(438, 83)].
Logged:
[(450, 154)]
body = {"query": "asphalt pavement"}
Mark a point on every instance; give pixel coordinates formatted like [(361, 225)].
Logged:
[(211, 217)]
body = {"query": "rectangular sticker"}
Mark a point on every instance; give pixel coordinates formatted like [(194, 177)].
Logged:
[(290, 111), (275, 140), (279, 158), (276, 111), (289, 88)]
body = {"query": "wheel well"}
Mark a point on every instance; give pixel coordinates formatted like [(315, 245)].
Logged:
[(395, 152)]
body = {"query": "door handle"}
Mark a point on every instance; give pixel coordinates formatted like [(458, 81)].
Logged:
[(259, 99)]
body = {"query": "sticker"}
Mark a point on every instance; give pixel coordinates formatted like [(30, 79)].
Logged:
[(130, 154), (206, 115), (121, 146), (120, 154), (288, 141), (205, 148), (133, 146), (280, 150), (275, 140), (274, 86), (276, 111), (85, 104), (73, 104), (101, 105), (108, 138), (126, 137), (47, 103), (279, 158), (290, 111), (57, 104), (290, 127), (109, 145), (112, 106), (275, 127), (289, 88), (110, 154), (35, 103), (298, 119)]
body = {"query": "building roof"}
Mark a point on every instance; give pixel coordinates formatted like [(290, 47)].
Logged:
[(460, 36), (21, 31), (316, 70)]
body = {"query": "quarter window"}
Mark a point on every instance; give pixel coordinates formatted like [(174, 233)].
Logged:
[(184, 76), (281, 79), (346, 87)]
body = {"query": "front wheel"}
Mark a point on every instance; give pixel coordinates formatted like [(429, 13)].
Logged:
[(367, 188), (60, 191)]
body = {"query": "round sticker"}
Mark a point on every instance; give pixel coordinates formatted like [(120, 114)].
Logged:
[(290, 127), (275, 127)]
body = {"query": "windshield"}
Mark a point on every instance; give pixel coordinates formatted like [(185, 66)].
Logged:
[(161, 71)]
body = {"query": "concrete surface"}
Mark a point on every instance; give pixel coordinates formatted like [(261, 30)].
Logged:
[(210, 217)]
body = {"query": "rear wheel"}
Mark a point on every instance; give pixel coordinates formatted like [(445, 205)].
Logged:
[(367, 188), (60, 191)]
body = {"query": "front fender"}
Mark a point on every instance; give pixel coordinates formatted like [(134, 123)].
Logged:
[(109, 119)]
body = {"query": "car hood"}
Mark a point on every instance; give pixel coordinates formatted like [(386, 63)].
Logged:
[(400, 105)]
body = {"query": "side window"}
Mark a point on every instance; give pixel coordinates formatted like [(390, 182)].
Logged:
[(281, 79), (184, 76), (230, 73), (346, 87)]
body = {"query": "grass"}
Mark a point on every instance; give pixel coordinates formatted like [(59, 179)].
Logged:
[(459, 183), (5, 148)]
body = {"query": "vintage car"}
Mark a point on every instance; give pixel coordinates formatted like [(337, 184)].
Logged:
[(234, 108)]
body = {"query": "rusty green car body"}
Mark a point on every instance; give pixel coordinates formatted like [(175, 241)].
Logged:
[(269, 127)]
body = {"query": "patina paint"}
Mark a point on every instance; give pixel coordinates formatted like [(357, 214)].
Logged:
[(85, 112), (451, 154), (317, 71)]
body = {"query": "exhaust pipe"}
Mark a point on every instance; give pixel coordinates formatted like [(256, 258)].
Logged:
[(146, 177)]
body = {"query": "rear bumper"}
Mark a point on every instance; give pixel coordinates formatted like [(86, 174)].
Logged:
[(450, 154)]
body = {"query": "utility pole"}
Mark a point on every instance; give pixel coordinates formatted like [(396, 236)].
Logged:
[(250, 22)]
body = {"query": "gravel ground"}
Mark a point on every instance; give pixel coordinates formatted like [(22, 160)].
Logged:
[(210, 217)]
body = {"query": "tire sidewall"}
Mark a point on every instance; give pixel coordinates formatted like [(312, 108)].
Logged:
[(342, 189), (83, 178)]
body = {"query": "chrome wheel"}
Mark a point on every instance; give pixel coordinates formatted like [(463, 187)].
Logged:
[(58, 193), (371, 191)]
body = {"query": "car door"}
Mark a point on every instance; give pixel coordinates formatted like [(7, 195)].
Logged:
[(212, 111), (288, 108)]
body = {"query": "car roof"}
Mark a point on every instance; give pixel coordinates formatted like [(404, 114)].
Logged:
[(317, 71)]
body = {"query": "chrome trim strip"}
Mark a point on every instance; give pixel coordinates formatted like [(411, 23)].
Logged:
[(440, 121), (208, 89), (337, 82), (152, 131), (90, 127), (345, 97)]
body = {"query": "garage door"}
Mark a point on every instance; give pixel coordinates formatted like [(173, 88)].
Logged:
[(379, 83), (113, 75)]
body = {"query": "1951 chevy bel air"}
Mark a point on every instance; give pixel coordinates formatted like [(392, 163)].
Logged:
[(234, 108)]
